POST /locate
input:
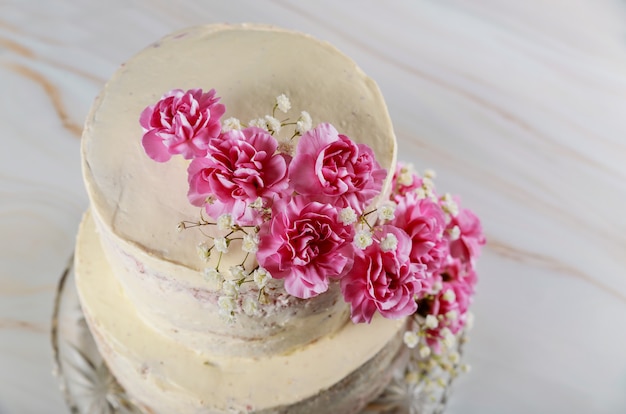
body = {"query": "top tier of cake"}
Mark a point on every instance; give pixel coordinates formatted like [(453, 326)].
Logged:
[(137, 203)]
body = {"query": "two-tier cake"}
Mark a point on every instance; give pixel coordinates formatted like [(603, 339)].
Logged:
[(252, 247)]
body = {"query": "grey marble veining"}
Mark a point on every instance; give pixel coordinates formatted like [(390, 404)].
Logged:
[(519, 106)]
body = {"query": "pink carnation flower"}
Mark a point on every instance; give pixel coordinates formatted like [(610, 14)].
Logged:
[(450, 306), (457, 270), (468, 245), (424, 221), (332, 169), (305, 244), (450, 309), (383, 281), (181, 123), (240, 167)]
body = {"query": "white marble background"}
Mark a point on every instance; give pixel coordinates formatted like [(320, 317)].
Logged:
[(519, 105)]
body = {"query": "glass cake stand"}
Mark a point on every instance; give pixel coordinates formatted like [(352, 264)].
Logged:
[(89, 387)]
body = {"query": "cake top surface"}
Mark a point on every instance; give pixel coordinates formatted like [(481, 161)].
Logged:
[(142, 201)]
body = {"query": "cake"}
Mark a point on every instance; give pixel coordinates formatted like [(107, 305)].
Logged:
[(186, 329)]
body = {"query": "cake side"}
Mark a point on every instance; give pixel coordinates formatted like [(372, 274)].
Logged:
[(280, 325), (137, 203), (169, 377)]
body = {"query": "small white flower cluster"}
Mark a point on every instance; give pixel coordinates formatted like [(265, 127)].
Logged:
[(214, 279), (389, 242), (231, 124), (304, 123), (411, 339), (274, 125), (228, 301), (454, 233), (221, 244), (431, 322), (348, 216), (250, 242), (449, 295), (364, 236), (283, 103), (427, 190), (258, 123), (386, 211), (405, 176), (231, 292), (261, 276), (225, 222), (449, 205), (256, 204), (204, 251), (431, 366)]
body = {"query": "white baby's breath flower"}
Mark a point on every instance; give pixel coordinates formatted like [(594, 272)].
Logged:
[(406, 175), (220, 244), (259, 123), (250, 306), (230, 124), (449, 295), (214, 278), (304, 123), (430, 174), (411, 339), (448, 338), (454, 233), (449, 205), (431, 321), (405, 179), (469, 321), (285, 146), (225, 222), (237, 272), (389, 243), (250, 243), (387, 211), (283, 103), (363, 239), (454, 357), (261, 277), (452, 315), (203, 251), (226, 305), (424, 351), (272, 123), (347, 215), (437, 286), (420, 193), (428, 187), (412, 377), (466, 368), (428, 183), (230, 288), (257, 204)]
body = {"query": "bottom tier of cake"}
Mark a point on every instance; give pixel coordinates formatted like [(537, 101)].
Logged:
[(340, 373)]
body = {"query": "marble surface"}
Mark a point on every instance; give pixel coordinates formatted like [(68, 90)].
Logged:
[(519, 105)]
